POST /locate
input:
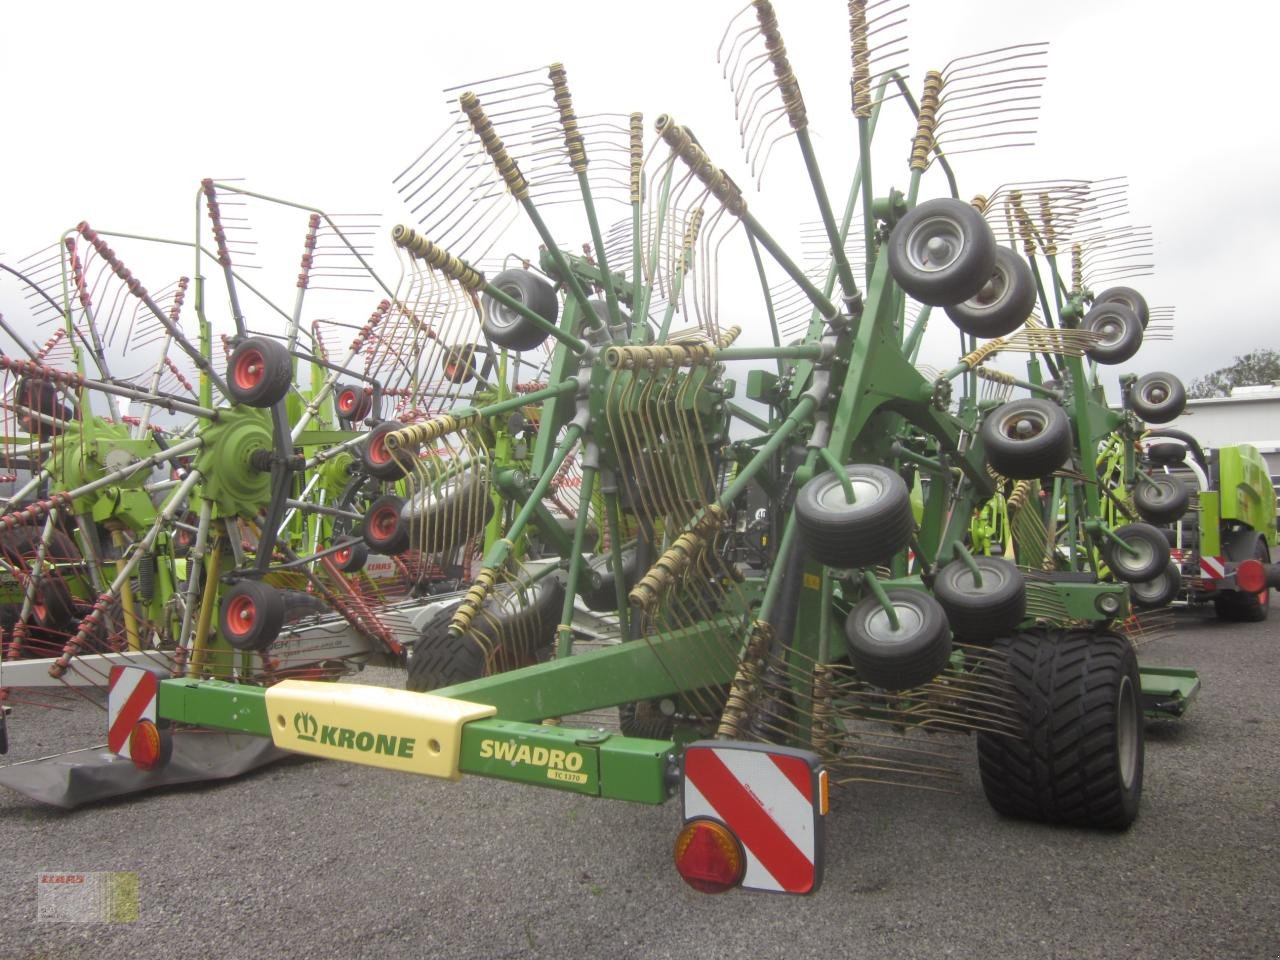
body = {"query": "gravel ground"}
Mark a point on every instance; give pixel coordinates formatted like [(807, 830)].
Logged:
[(315, 859)]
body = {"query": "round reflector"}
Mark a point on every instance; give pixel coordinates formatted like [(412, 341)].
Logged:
[(708, 856), (146, 749), (1250, 576)]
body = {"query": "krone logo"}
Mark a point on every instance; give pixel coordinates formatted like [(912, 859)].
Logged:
[(305, 726)]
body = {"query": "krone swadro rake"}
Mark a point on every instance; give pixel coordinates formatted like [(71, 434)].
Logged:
[(869, 618)]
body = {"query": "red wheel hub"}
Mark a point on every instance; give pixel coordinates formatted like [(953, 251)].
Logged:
[(241, 614), (347, 401), (378, 451), (249, 369), (384, 523), (343, 556)]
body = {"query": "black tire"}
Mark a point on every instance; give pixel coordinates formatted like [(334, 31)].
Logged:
[(982, 613), (250, 615), (644, 718), (379, 462), (1166, 453), (440, 659), (596, 583), (1121, 332), (298, 605), (1027, 438), (1004, 302), (899, 659), (447, 518), (1161, 499), (1150, 560), (1077, 754), (259, 372), (352, 402), (1158, 397), (53, 608), (352, 557), (942, 252), (512, 625), (1130, 297), (1236, 606), (873, 528), (458, 364), (385, 529), (1158, 592), (507, 328)]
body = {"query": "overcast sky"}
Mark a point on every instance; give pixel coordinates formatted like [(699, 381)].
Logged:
[(116, 111)]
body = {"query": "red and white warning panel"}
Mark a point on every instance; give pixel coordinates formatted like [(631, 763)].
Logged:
[(772, 801), (1213, 568), (132, 694)]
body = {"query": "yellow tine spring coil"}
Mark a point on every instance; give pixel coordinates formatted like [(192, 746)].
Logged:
[(429, 431), (715, 180), (568, 119), (861, 83), (924, 141), (470, 605), (492, 144), (438, 258), (637, 155), (792, 100)]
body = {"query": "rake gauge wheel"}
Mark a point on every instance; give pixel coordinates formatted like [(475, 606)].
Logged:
[(379, 462), (1149, 557), (352, 557), (873, 528), (1121, 332), (385, 529), (911, 654), (942, 252), (458, 365), (352, 402), (1158, 397), (1159, 591), (259, 372), (251, 615), (983, 612), (1130, 297), (1162, 499), (1027, 438), (510, 329), (1004, 302)]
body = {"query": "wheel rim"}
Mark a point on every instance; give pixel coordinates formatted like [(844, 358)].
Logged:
[(250, 368), (993, 291), (994, 576), (347, 401), (935, 244), (503, 316), (1023, 425), (378, 452), (876, 624), (343, 556), (866, 490), (384, 523), (1148, 590), (1127, 733), (242, 612), (1142, 556), (1156, 392), (40, 611), (1111, 328)]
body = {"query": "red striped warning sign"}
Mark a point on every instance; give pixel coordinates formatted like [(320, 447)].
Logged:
[(1213, 568), (131, 696), (771, 798)]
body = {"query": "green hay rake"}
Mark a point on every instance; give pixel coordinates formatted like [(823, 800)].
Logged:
[(870, 622)]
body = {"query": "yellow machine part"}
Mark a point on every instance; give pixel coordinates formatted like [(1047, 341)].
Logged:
[(376, 726)]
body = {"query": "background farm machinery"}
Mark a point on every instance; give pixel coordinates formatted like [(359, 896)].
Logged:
[(940, 555)]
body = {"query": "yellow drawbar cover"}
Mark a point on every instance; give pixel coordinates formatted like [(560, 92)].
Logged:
[(377, 726)]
